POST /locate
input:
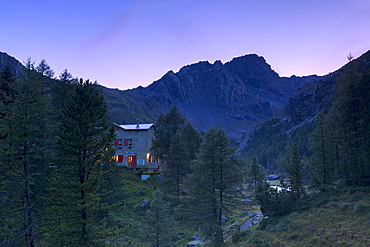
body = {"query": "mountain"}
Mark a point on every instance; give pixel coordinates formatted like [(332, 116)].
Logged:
[(236, 95), (295, 121), (13, 63), (242, 96)]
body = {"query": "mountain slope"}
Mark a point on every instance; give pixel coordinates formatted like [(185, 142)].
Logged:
[(295, 121), (13, 63), (236, 95)]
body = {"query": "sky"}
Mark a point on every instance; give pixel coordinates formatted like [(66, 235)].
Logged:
[(127, 43)]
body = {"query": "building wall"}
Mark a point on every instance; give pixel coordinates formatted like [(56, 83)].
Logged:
[(135, 153)]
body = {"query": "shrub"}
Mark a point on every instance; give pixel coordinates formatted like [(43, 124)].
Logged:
[(242, 234), (359, 207)]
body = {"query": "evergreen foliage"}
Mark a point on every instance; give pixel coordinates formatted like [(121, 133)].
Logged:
[(178, 166), (323, 162), (273, 202), (23, 138), (177, 144), (351, 114), (85, 146), (295, 172), (256, 173), (158, 224), (213, 185), (167, 126)]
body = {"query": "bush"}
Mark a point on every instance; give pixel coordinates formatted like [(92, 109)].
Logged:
[(238, 236), (274, 203), (359, 207), (260, 242)]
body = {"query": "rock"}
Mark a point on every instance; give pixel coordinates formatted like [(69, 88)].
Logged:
[(144, 203), (195, 243), (256, 218)]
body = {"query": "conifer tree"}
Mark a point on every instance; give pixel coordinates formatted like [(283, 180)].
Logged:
[(7, 80), (167, 126), (23, 156), (183, 149), (323, 147), (295, 171), (255, 173), (192, 139), (352, 116), (158, 223), (84, 145), (213, 184), (178, 164)]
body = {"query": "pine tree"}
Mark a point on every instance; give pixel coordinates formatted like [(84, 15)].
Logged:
[(255, 172), (323, 147), (192, 139), (213, 184), (295, 171), (178, 164), (167, 126), (84, 145), (183, 149), (7, 80), (158, 223), (351, 113), (23, 156)]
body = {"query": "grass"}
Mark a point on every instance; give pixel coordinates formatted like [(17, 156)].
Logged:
[(340, 220), (336, 219)]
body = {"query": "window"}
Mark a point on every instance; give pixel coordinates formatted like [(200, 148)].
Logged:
[(118, 143), (118, 158), (149, 158), (131, 161), (127, 143)]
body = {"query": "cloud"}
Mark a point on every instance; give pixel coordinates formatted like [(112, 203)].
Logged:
[(110, 32)]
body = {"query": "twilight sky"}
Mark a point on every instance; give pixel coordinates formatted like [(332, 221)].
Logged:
[(126, 43)]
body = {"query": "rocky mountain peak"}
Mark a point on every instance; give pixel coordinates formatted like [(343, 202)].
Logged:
[(236, 95)]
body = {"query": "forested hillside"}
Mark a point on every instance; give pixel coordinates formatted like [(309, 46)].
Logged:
[(296, 121), (56, 152), (60, 184)]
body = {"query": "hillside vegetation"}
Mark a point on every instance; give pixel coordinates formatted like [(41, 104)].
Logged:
[(340, 218), (60, 184)]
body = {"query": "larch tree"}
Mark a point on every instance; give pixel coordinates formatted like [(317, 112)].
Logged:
[(158, 223), (167, 126), (256, 173), (178, 164), (295, 172), (182, 151), (213, 185), (85, 141), (192, 139), (23, 131), (322, 165), (352, 116)]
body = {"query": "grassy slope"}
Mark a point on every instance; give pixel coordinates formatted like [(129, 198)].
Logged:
[(339, 220)]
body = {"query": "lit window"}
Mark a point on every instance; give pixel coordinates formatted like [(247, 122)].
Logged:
[(149, 158), (118, 158), (131, 161)]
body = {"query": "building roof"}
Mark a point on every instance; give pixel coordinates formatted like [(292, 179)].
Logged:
[(135, 126)]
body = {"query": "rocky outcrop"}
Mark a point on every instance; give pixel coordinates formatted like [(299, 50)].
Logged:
[(236, 95), (13, 63)]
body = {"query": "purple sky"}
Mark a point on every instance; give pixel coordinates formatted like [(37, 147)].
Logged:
[(126, 43)]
